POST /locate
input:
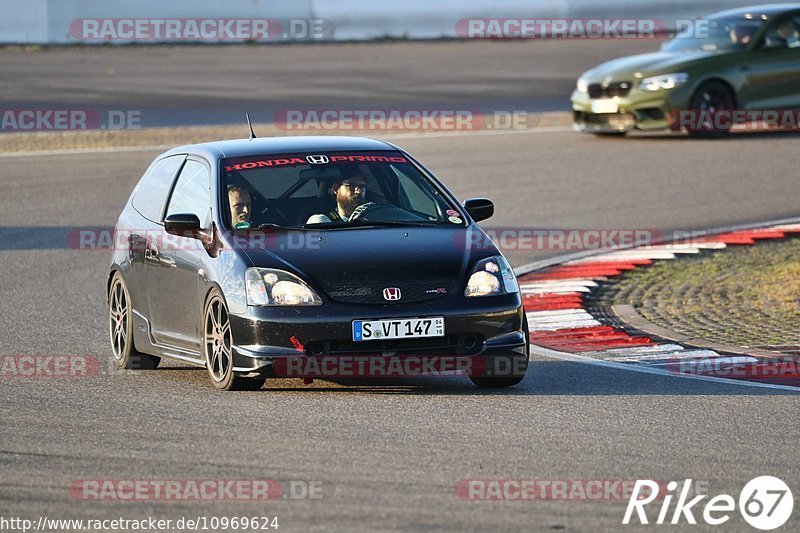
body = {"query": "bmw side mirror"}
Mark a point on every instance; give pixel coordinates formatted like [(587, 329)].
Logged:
[(479, 208), (186, 225)]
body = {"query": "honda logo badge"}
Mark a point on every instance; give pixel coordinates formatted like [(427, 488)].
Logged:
[(391, 294), (318, 159)]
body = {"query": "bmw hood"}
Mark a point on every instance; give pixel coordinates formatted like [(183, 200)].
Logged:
[(355, 265), (644, 65)]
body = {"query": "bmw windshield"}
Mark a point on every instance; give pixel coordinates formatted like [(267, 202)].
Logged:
[(332, 190), (715, 35)]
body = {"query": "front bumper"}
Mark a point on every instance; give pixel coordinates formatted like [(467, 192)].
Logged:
[(485, 328), (637, 110)]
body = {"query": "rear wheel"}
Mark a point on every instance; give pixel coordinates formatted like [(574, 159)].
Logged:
[(120, 329), (518, 366), (711, 102), (218, 347)]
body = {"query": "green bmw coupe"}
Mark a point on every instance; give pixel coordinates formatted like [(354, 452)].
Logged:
[(727, 68)]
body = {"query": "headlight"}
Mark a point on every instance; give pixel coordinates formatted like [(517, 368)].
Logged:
[(663, 82), (491, 277), (583, 86), (267, 286)]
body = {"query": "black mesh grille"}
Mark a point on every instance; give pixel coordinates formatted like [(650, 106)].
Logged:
[(449, 345), (621, 88), (410, 292)]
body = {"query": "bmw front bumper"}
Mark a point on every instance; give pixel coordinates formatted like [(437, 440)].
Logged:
[(637, 110)]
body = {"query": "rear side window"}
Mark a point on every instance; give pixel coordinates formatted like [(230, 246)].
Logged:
[(151, 193)]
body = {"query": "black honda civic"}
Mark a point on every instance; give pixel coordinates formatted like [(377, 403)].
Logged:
[(310, 257)]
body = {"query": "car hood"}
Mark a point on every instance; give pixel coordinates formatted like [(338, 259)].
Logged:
[(375, 256), (644, 65)]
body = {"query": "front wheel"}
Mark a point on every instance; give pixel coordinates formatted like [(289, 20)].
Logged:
[(712, 107), (120, 329), (218, 347)]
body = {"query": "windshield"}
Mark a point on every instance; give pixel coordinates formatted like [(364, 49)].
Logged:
[(715, 34), (331, 190)]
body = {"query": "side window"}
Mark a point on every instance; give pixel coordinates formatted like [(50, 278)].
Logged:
[(151, 192), (786, 34), (191, 194)]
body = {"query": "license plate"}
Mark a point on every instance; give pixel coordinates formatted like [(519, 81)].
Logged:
[(605, 106), (398, 328)]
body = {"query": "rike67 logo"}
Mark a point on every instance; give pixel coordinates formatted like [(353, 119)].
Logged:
[(765, 503)]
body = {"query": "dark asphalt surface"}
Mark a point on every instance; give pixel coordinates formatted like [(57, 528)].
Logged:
[(177, 85), (388, 456)]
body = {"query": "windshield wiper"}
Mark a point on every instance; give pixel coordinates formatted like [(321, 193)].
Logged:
[(397, 222), (274, 226), (359, 223)]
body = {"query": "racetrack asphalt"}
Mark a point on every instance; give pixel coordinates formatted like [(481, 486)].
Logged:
[(190, 85), (389, 456)]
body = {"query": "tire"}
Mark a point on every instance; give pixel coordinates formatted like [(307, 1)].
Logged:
[(120, 329), (713, 97), (610, 133), (520, 363), (217, 347)]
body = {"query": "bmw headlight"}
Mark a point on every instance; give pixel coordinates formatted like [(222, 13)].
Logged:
[(583, 86), (268, 286), (491, 277), (664, 82)]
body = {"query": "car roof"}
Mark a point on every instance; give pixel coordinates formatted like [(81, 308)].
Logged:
[(769, 10), (280, 145)]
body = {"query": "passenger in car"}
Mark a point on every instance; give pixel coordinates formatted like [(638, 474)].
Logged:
[(742, 34), (789, 33), (241, 206)]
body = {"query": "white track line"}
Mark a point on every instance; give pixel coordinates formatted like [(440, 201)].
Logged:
[(558, 283), (667, 358), (646, 350), (554, 129), (552, 354), (91, 151), (563, 290)]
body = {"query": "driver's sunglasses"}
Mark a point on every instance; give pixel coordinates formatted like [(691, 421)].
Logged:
[(354, 186)]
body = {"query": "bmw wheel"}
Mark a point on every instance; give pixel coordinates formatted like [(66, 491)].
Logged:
[(120, 329), (712, 100), (218, 347)]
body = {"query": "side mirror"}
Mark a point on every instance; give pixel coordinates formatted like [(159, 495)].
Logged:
[(185, 225), (479, 208)]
